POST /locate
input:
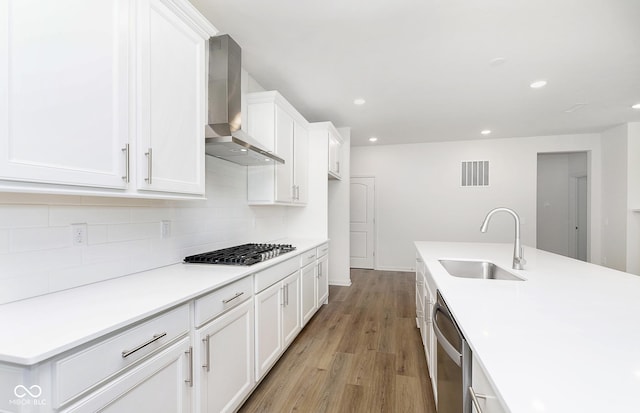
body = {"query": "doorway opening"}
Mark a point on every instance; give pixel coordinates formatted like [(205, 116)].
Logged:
[(563, 204)]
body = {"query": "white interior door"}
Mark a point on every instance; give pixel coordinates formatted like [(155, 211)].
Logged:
[(362, 222)]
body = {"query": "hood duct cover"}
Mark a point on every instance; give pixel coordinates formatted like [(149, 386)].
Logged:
[(224, 137)]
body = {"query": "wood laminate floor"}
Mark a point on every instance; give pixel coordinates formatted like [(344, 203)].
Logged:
[(360, 353)]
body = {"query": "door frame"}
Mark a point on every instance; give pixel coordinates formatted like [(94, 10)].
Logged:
[(375, 219), (589, 175)]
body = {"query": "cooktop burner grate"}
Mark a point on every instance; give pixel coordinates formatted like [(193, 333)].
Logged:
[(246, 254)]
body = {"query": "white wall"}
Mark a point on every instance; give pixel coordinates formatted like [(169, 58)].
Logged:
[(419, 197), (37, 257), (339, 198), (614, 197)]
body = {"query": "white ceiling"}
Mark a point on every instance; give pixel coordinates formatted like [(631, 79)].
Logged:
[(424, 66)]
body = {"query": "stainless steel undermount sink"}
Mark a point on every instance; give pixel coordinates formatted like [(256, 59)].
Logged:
[(478, 269)]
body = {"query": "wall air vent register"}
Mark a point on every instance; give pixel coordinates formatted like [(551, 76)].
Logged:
[(474, 173)]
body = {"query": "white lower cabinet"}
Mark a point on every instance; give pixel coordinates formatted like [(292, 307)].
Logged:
[(323, 280), (425, 299), (485, 395), (309, 290), (277, 321), (205, 355), (225, 361), (163, 383)]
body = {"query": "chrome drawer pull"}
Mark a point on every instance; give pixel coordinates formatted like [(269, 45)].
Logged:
[(228, 300), (190, 379), (475, 397), (126, 163), (149, 155), (156, 337), (207, 364)]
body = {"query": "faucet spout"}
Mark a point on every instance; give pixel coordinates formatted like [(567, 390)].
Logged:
[(518, 252)]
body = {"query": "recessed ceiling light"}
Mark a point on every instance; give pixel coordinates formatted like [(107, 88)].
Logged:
[(373, 139), (497, 61), (485, 132), (359, 101), (538, 84), (636, 106)]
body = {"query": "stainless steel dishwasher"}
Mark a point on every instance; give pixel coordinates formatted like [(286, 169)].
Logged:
[(453, 374)]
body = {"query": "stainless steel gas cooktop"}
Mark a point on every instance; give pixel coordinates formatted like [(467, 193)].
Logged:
[(246, 254)]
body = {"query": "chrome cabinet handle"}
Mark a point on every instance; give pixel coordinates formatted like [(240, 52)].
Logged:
[(207, 353), (126, 163), (228, 300), (338, 166), (451, 351), (156, 337), (190, 379), (287, 293), (282, 289), (312, 256), (319, 270), (474, 398), (149, 155)]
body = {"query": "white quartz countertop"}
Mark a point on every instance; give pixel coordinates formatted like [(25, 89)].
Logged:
[(36, 329), (565, 340)]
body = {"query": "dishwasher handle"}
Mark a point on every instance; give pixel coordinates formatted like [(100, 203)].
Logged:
[(451, 351)]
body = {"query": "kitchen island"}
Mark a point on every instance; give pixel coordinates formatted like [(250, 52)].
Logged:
[(563, 340)]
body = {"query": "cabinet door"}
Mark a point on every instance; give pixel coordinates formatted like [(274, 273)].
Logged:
[(291, 321), (323, 280), (308, 292), (268, 341), (301, 163), (171, 101), (161, 384), (64, 99), (334, 155), (284, 149), (488, 402), (226, 361)]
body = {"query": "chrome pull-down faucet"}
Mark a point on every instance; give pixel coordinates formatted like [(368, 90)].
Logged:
[(518, 253)]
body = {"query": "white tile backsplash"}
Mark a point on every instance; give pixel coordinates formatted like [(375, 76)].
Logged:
[(23, 216), (67, 215), (36, 255), (37, 239)]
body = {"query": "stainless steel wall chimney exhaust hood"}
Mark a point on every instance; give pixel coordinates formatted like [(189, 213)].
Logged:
[(224, 137)]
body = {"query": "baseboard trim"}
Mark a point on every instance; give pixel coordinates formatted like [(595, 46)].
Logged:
[(399, 269), (341, 283)]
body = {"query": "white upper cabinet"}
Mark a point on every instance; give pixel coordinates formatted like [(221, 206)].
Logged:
[(64, 100), (335, 153), (280, 129), (104, 97), (172, 87)]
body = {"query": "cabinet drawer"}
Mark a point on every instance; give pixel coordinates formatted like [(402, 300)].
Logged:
[(322, 250), (272, 275), (88, 367), (308, 257), (214, 304)]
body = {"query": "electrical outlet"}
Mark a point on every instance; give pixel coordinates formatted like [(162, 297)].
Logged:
[(79, 234), (165, 229)]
